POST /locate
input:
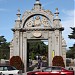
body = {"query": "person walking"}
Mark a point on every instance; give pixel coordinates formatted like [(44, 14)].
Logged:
[(39, 62)]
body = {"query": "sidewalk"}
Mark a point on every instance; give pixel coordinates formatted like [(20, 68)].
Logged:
[(35, 69), (74, 68)]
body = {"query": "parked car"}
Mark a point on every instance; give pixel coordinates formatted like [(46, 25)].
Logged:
[(54, 70), (9, 70)]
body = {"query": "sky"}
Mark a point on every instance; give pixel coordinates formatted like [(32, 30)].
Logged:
[(8, 11)]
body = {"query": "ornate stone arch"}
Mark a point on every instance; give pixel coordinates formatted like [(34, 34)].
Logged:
[(46, 13), (35, 15), (52, 32)]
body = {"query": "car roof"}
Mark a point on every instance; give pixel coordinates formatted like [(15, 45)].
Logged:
[(4, 65), (55, 66)]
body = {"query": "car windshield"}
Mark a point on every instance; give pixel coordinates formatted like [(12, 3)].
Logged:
[(1, 68), (47, 69), (56, 69), (4, 68), (51, 69), (11, 68)]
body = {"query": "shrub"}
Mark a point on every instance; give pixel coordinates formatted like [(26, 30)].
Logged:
[(44, 58), (58, 61), (17, 63)]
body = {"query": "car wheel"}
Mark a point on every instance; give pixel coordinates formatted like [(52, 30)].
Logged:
[(1, 73)]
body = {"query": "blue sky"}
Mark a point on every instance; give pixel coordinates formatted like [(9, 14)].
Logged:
[(8, 11)]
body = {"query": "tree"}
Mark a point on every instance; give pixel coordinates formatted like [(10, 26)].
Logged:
[(72, 35), (35, 48), (4, 48), (71, 52)]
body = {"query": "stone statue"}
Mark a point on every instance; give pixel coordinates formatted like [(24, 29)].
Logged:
[(37, 21)]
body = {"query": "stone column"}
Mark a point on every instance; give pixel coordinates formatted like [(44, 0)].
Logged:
[(60, 43), (64, 50), (11, 49), (16, 43), (25, 51), (21, 45), (64, 54), (49, 50), (57, 43)]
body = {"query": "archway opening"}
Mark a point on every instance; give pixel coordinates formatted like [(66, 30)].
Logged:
[(36, 49)]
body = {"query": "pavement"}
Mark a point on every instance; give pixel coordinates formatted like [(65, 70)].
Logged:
[(74, 68)]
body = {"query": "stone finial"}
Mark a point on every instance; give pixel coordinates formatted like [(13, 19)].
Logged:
[(37, 2), (63, 42), (57, 15), (57, 11), (18, 14), (37, 5)]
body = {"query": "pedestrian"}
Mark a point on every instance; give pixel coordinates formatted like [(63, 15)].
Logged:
[(39, 62)]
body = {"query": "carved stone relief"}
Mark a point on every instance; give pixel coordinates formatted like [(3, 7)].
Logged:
[(37, 21), (29, 23), (45, 21)]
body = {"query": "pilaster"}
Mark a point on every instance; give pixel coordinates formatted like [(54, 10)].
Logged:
[(21, 45), (50, 49), (64, 50), (16, 44), (25, 51), (57, 42)]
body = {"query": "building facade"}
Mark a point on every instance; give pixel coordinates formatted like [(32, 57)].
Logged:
[(38, 24)]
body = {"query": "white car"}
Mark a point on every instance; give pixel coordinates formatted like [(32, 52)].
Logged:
[(9, 70)]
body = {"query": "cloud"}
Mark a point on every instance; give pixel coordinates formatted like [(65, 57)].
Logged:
[(1, 0), (47, 3), (68, 22), (3, 10), (70, 13), (69, 17)]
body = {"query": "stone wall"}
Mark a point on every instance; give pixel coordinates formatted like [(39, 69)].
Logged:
[(4, 62)]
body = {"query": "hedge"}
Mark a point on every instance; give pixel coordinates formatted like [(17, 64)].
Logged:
[(58, 61), (17, 63)]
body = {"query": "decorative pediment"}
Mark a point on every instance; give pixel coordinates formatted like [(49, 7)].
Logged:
[(38, 18), (37, 21)]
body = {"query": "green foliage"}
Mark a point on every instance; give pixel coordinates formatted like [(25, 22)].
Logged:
[(17, 63), (35, 48), (2, 39), (44, 58), (72, 35), (68, 61), (58, 61), (4, 48), (71, 53)]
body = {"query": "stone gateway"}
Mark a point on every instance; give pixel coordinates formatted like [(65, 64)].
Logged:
[(38, 24)]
